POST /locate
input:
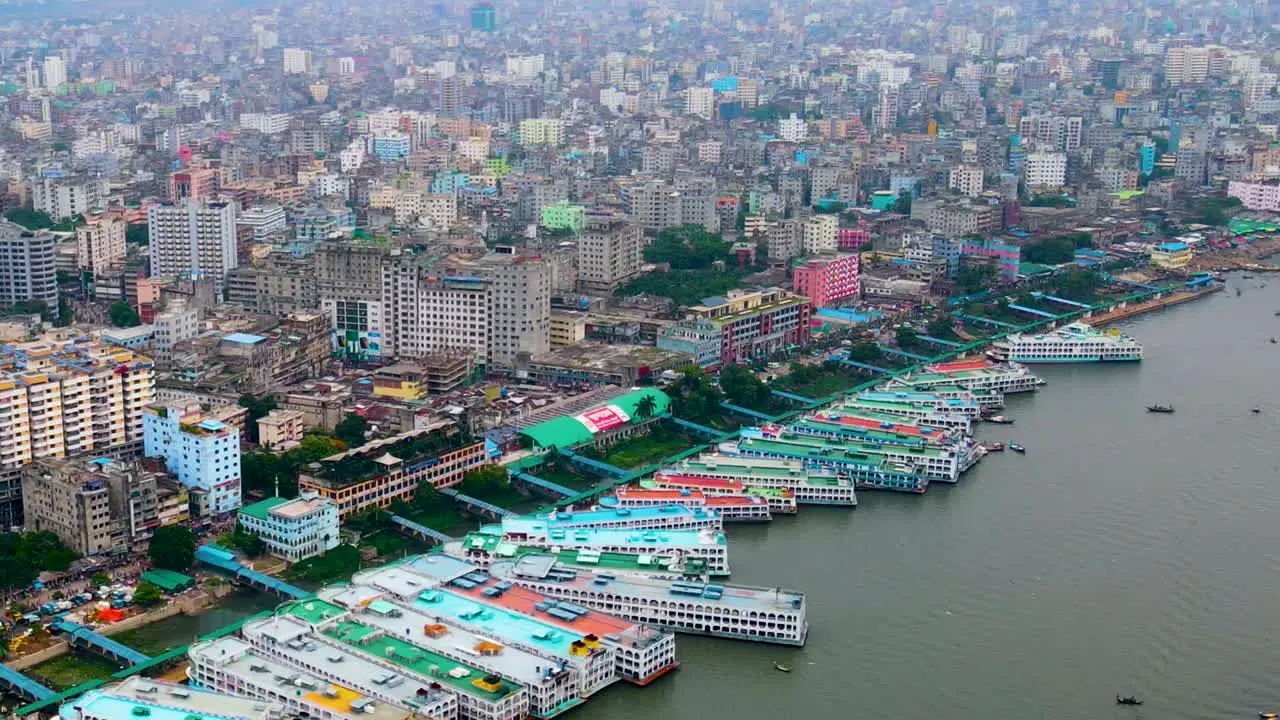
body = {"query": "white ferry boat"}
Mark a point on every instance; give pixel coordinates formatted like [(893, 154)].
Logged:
[(743, 612), (980, 374), (732, 508), (1074, 343)]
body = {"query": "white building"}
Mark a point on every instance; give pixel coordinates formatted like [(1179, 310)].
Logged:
[(193, 238), (700, 101), (352, 156), (173, 326), (265, 123), (820, 232), (433, 314), (793, 129), (610, 252), (297, 61), (265, 221), (1045, 170), (966, 180), (62, 199), (521, 302), (203, 453), (541, 131), (55, 72), (293, 529), (100, 243), (28, 266), (525, 67)]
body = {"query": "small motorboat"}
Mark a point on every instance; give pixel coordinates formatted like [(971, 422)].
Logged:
[(1131, 700), (994, 447), (1277, 313), (1246, 277), (781, 668), (1256, 410), (1017, 448), (1268, 715), (1273, 341), (1166, 409)]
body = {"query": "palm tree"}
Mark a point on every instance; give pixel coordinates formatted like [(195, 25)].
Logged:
[(645, 407)]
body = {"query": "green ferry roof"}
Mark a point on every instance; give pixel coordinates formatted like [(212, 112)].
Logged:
[(745, 473), (887, 436), (838, 452)]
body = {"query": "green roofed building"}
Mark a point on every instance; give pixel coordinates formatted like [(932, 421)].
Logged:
[(619, 418), (168, 580)]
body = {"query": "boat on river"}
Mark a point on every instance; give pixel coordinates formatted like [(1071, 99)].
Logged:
[(1017, 448), (999, 419), (1165, 409), (1131, 700)]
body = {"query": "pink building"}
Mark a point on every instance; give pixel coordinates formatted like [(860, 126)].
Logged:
[(1256, 196), (827, 279), (852, 239)]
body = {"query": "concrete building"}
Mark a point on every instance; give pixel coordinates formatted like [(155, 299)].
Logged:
[(294, 529), (541, 131), (100, 243), (297, 61), (1171, 255), (172, 326), (203, 453), (1256, 196), (1186, 65), (28, 266), (520, 301), (280, 427), (827, 280), (93, 505), (380, 471), (60, 398), (819, 234), (264, 221), (700, 101), (265, 123), (610, 252), (62, 199), (966, 180), (1045, 170), (793, 129), (756, 323), (349, 277), (55, 72), (196, 184), (699, 339), (197, 238), (430, 311)]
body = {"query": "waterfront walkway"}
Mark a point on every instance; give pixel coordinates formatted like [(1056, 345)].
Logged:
[(78, 635), (420, 530), (223, 560), (20, 684)]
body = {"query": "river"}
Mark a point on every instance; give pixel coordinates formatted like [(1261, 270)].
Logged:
[(1125, 553)]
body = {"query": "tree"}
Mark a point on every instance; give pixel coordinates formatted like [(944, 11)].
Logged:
[(645, 407), (426, 497), (694, 397), (941, 326), (351, 430), (1050, 251), (66, 313), (124, 316), (147, 594), (100, 579), (173, 547), (742, 387), (865, 352), (485, 480), (907, 337), (138, 234), (29, 219), (1078, 284), (687, 247), (902, 205), (974, 278)]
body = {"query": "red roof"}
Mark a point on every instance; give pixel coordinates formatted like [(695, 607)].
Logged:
[(694, 481), (960, 366), (873, 424)]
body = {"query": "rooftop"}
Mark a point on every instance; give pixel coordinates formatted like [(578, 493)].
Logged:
[(163, 701)]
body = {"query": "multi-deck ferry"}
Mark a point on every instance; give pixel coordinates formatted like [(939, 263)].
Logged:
[(810, 483), (1072, 343), (780, 500), (847, 467), (731, 508), (972, 375)]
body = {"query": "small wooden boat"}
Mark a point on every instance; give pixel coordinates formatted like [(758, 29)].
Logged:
[(1131, 700), (1017, 448), (1268, 715), (1256, 410), (994, 447), (781, 668), (1166, 409), (999, 419)]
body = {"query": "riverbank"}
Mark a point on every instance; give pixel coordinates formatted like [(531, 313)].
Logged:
[(194, 603), (1127, 310)]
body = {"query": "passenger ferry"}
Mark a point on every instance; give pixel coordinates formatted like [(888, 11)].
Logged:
[(938, 463), (973, 375), (845, 467), (1074, 343), (926, 400), (987, 400), (811, 484), (942, 460), (731, 508), (927, 416), (781, 500), (667, 516), (707, 544), (742, 612)]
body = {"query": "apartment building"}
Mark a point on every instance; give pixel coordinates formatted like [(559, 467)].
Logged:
[(610, 252), (520, 301), (1045, 170), (541, 131), (28, 266), (819, 234), (428, 311), (64, 198), (93, 505), (59, 398), (966, 180), (100, 243), (193, 237), (827, 280), (279, 427), (203, 453)]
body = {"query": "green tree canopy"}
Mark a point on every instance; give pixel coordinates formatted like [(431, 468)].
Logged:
[(124, 316), (147, 594), (742, 387), (138, 233), (257, 407), (485, 480), (173, 547), (30, 219), (687, 247), (907, 337), (351, 430), (694, 397)]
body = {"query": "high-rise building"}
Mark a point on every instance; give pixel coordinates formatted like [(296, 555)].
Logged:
[(521, 302), (193, 238), (793, 129), (1048, 170), (27, 266), (203, 453), (297, 61), (55, 72), (451, 89), (483, 17), (700, 101), (429, 311), (94, 505), (542, 131), (1186, 65), (198, 184), (966, 180), (819, 234), (349, 288), (65, 198), (827, 280), (610, 252), (60, 398), (100, 243)]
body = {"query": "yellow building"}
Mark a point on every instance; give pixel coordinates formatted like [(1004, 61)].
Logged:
[(1171, 255), (567, 328), (280, 426)]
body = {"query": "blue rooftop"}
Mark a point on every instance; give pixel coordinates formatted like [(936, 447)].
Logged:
[(1172, 246), (496, 621), (244, 338), (640, 516), (212, 425)]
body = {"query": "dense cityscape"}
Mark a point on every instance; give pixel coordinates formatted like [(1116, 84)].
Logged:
[(458, 332)]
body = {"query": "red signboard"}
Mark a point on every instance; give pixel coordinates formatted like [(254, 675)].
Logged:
[(605, 418)]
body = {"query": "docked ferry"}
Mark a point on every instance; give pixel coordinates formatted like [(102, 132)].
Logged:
[(1074, 343), (978, 374)]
